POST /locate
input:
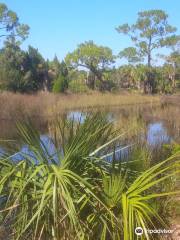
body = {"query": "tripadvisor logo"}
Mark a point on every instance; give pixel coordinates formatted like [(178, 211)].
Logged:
[(138, 231)]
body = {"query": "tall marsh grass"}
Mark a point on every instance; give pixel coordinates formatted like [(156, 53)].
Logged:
[(39, 105)]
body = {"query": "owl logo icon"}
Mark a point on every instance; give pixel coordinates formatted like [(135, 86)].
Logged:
[(138, 231)]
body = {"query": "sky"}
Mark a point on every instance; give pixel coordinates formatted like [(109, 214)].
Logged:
[(58, 26)]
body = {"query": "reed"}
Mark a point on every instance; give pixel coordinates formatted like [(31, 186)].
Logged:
[(45, 105)]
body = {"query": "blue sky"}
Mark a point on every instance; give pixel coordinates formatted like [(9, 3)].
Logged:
[(57, 26)]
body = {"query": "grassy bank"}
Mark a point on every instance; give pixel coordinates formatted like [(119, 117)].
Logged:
[(13, 106)]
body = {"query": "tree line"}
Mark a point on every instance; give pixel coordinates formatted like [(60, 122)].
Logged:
[(91, 66)]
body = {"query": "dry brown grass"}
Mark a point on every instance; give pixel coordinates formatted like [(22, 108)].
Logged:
[(43, 105), (98, 100), (173, 99)]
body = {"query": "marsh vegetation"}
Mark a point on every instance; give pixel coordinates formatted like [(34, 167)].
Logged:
[(90, 173)]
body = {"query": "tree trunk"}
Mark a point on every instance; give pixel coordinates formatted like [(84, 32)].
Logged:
[(149, 59), (91, 80), (149, 83), (104, 85), (149, 51), (46, 82)]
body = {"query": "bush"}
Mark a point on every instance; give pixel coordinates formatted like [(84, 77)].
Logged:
[(78, 86), (60, 85)]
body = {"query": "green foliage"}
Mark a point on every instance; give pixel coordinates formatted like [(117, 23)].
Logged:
[(60, 84), (63, 70), (90, 65), (77, 81), (130, 54), (36, 70), (135, 77), (73, 193), (90, 55), (10, 25), (173, 148), (58, 68), (21, 71), (96, 59), (129, 76), (78, 86), (11, 61), (151, 31)]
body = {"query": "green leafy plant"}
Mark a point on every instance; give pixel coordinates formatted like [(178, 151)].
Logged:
[(60, 84), (74, 192)]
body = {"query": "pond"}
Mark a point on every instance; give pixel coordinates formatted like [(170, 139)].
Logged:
[(157, 132), (153, 126)]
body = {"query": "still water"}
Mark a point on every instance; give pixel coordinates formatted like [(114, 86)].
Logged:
[(155, 126)]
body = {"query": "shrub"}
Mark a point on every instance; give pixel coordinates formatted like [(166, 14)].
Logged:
[(78, 86), (60, 84)]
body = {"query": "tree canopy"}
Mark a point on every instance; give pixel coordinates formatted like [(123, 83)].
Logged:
[(10, 25), (150, 31), (96, 59), (91, 65)]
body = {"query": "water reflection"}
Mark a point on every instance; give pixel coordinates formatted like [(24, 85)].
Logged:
[(47, 146), (157, 134), (158, 129), (77, 116)]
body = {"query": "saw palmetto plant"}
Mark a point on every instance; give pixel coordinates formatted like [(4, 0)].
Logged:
[(73, 192)]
